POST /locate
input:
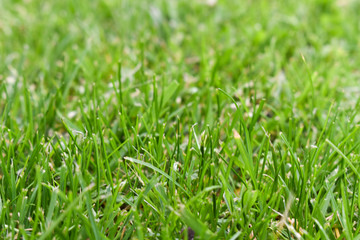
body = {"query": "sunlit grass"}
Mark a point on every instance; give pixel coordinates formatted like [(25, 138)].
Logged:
[(168, 119)]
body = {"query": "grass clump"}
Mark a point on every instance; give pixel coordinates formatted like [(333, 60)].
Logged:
[(168, 119)]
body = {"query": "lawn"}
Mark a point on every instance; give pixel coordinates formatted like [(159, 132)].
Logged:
[(165, 119)]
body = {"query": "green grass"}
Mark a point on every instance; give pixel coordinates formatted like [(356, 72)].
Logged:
[(152, 119)]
